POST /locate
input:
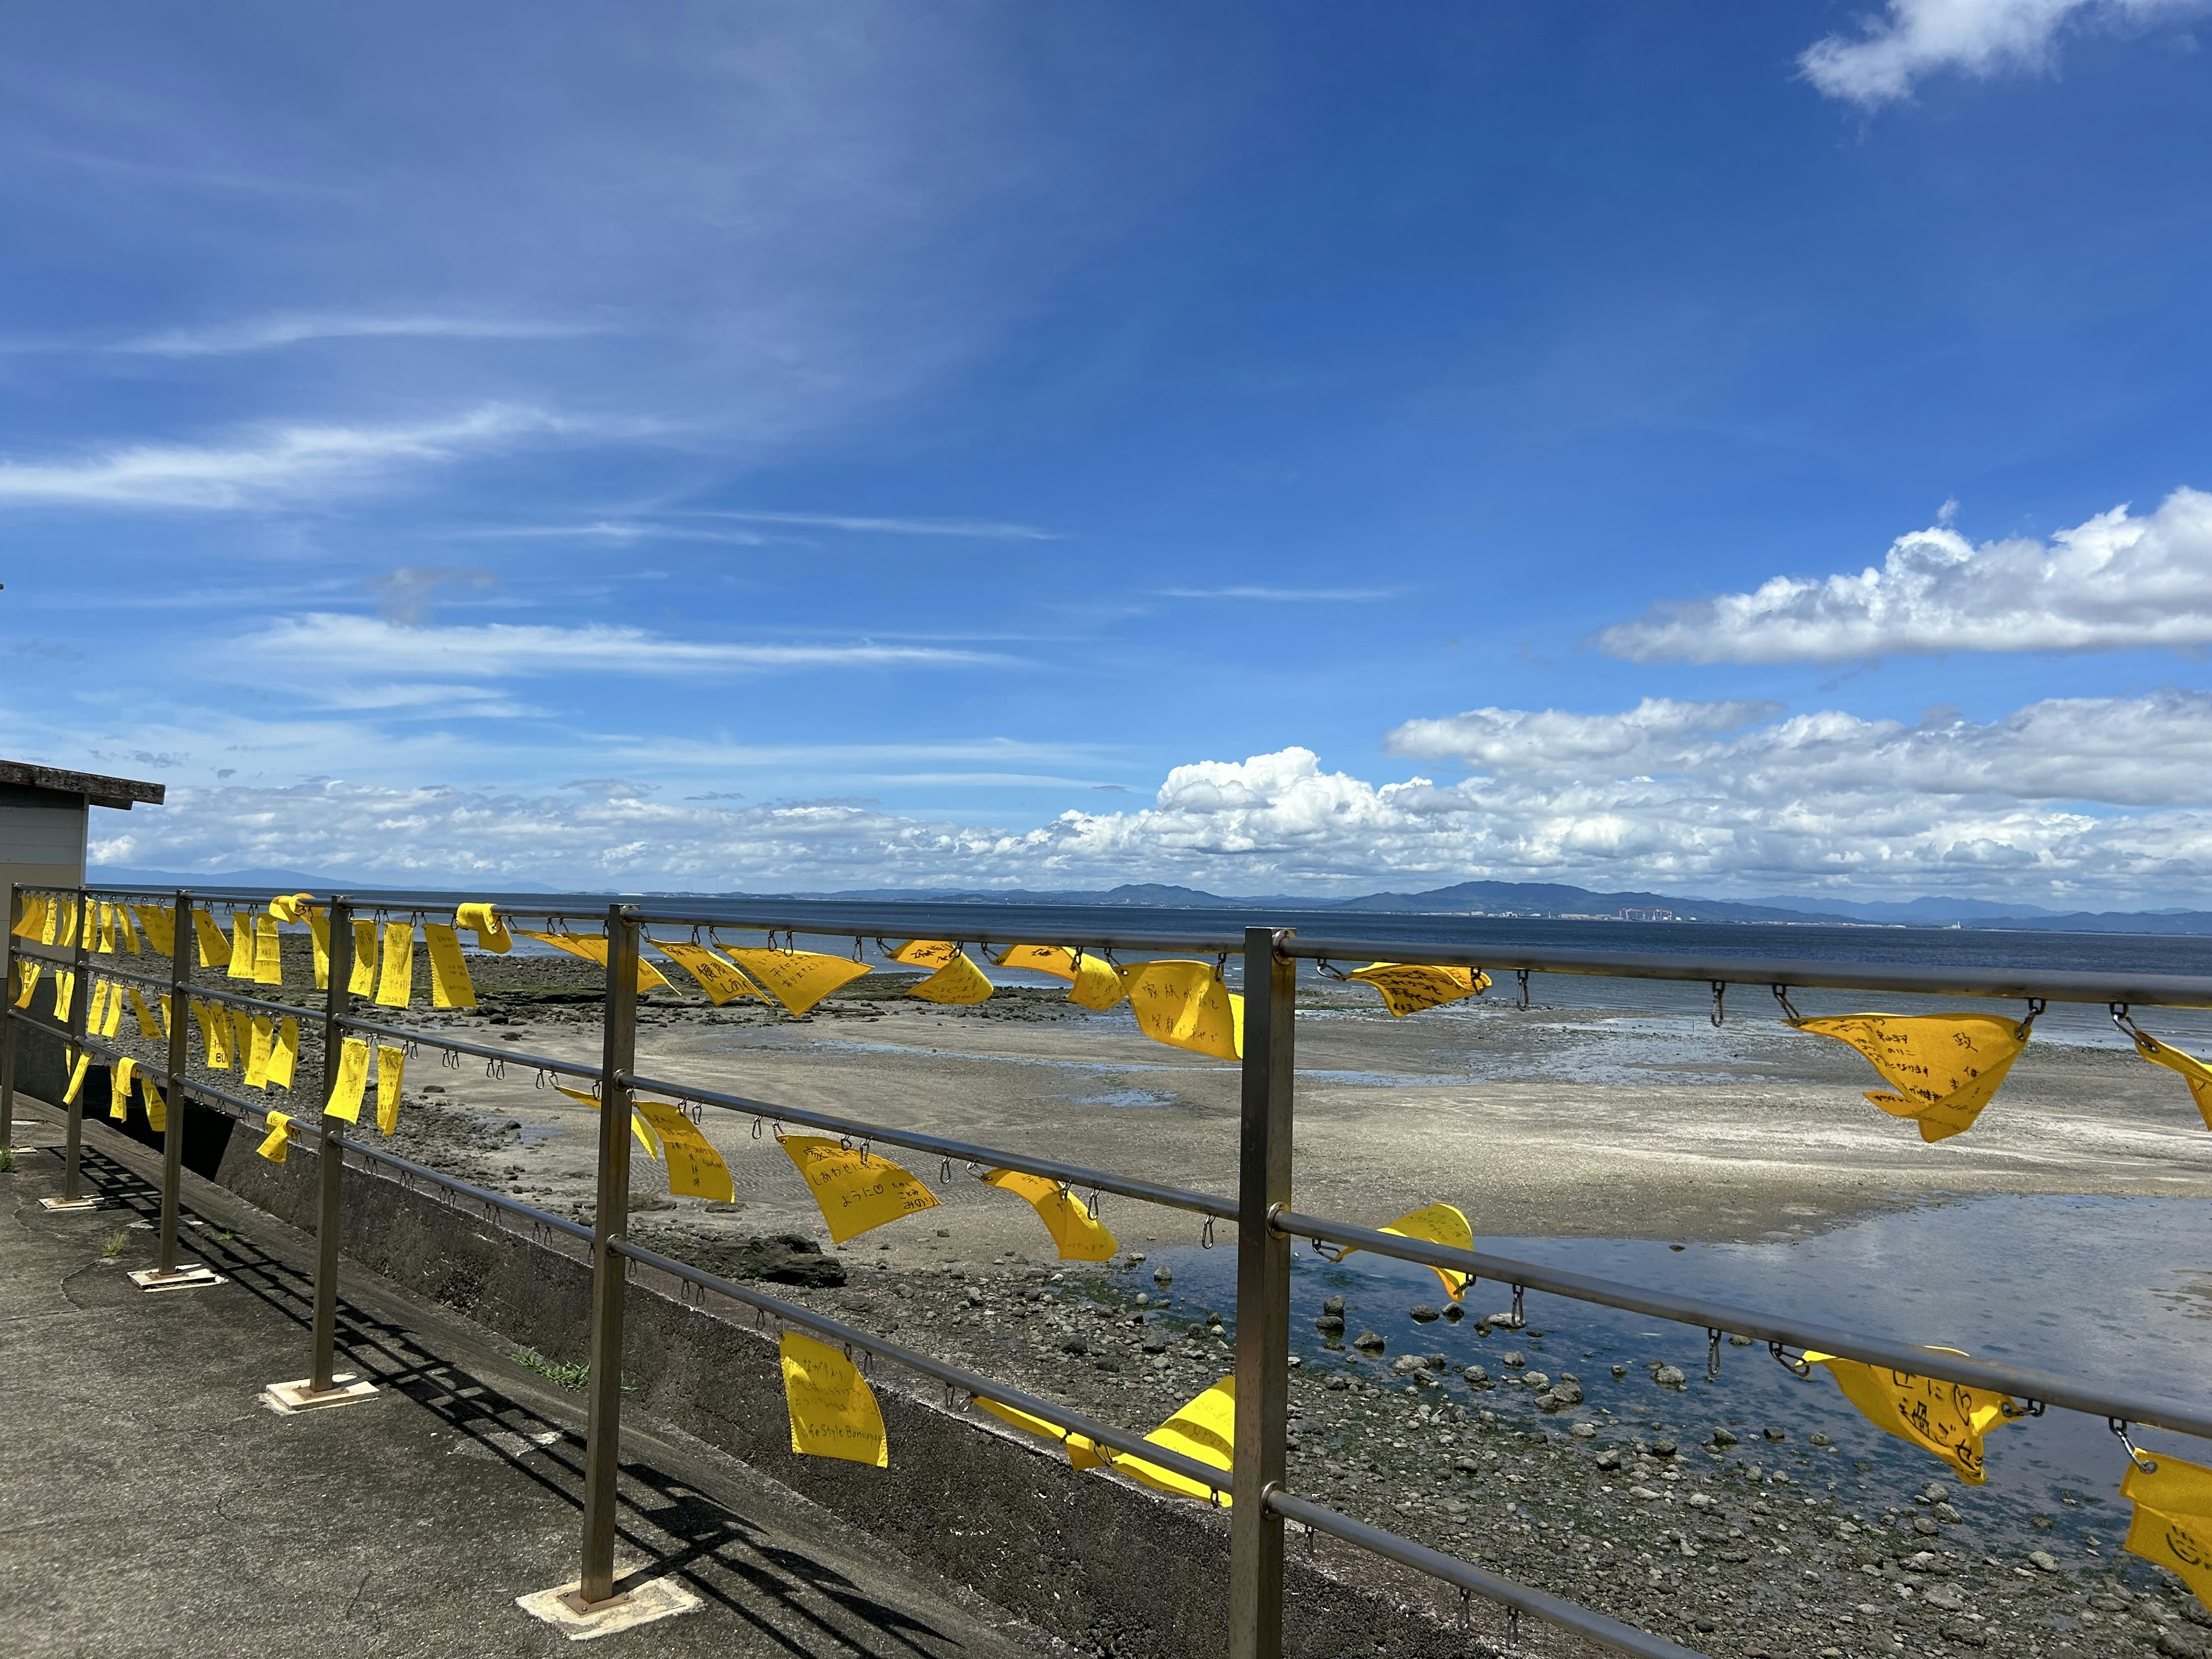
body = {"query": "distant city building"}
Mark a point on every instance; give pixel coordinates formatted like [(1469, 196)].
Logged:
[(1647, 915)]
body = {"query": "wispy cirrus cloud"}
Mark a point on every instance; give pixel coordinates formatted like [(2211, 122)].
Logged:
[(1980, 37), (273, 333), (971, 529), (1285, 595), (620, 532)]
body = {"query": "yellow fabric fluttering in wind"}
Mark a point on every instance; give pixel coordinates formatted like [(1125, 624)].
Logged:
[(1204, 1429), (1078, 1234), (1099, 985), (1946, 1419), (157, 1109), (352, 1081), (833, 1411), (64, 992), (215, 1033), (1436, 1223), (363, 981), (280, 1136), (118, 1087), (2172, 1523), (2193, 1072), (291, 906), (37, 909), (126, 934), (959, 981), (696, 1169), (1186, 1005), (450, 985), (797, 979), (148, 1027), (103, 937), (66, 922), (260, 1039), (214, 949), (1057, 960), (390, 1073), (856, 1191), (925, 953), (268, 950), (76, 1079), (638, 1126), (593, 947), (483, 922), (96, 1012), (1407, 987), (319, 932), (1035, 1425), (395, 980), (243, 949), (158, 923), (1945, 1067), (721, 980), (284, 1053), (27, 973)]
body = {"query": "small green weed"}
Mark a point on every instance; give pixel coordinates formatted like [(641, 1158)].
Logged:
[(561, 1375), (7, 1160), (113, 1247)]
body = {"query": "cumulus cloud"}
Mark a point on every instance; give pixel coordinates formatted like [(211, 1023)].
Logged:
[(1981, 38), (2111, 583)]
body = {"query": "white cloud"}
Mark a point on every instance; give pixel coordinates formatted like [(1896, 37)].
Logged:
[(971, 529), (1981, 38), (279, 465), (1651, 736), (2114, 583), (1284, 595), (272, 333)]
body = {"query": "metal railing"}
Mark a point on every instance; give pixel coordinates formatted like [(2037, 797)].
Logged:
[(1267, 1223)]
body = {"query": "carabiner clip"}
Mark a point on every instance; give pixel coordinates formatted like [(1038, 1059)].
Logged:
[(2136, 1455)]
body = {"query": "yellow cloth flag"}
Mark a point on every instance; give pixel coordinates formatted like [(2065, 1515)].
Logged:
[(112, 1021), (1077, 1232), (214, 949), (148, 1027), (215, 1033), (390, 1073), (76, 1079), (640, 1130), (352, 1081), (719, 980), (118, 1087), (64, 993), (66, 919), (290, 907), (124, 932), (483, 922), (96, 1012), (449, 970), (243, 949), (280, 1136), (833, 1410), (1204, 1429), (855, 1192), (395, 985), (959, 981), (2193, 1071), (284, 1055), (696, 1169), (1186, 1005), (318, 931), (1409, 987), (926, 953), (37, 910), (362, 980), (26, 976), (797, 979), (158, 923), (104, 934), (268, 950), (1946, 1419), (2172, 1523), (261, 1037), (1099, 985), (1945, 1067), (157, 1109), (1055, 959), (1437, 1224), (593, 947), (1075, 1444)]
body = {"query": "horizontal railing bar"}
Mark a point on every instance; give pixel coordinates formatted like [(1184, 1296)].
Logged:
[(96, 968), (1524, 1598), (1995, 1378), (859, 925), (1149, 1192), (482, 1051), (2141, 990), (953, 1376)]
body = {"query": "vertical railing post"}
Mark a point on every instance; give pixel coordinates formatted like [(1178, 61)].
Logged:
[(80, 1002), (173, 1084), (610, 1221), (7, 1027), (1263, 1297), (330, 1153)]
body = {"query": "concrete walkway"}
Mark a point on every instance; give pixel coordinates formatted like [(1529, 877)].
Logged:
[(150, 1506)]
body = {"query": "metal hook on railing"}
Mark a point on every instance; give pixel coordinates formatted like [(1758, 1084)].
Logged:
[(1512, 1627), (496, 1069), (2035, 1007), (1712, 1353), (1789, 1009), (864, 1145), (2032, 1408), (2129, 1029), (1094, 1204), (857, 956), (450, 1059), (758, 1126), (2136, 1455), (1796, 1364), (1520, 1318), (1720, 999), (1327, 968), (1221, 968), (1206, 1235), (1521, 975), (944, 1170)]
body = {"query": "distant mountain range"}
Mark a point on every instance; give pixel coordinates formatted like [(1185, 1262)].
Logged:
[(1475, 898)]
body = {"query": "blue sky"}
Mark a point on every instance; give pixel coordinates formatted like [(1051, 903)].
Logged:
[(784, 447)]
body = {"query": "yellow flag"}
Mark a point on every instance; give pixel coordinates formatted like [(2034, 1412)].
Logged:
[(64, 992), (261, 1037), (1409, 987), (243, 949), (395, 985), (284, 1053), (1204, 1429), (797, 979), (280, 1136), (856, 1192), (1946, 1419), (112, 1022), (26, 976), (638, 1127), (76, 1079), (1022, 1419), (483, 922), (147, 1028), (959, 981), (719, 980), (157, 1109), (37, 909), (1186, 1005), (104, 934), (1055, 959), (449, 969), (124, 932), (51, 922), (96, 1012), (1098, 983), (926, 953), (362, 980), (391, 1073), (318, 931), (1945, 1067), (833, 1410), (2193, 1071), (1437, 1224), (289, 907), (353, 1081), (696, 1169), (66, 919), (1073, 1228), (2172, 1523), (268, 950), (118, 1087), (158, 923), (214, 949), (214, 1033), (593, 947)]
